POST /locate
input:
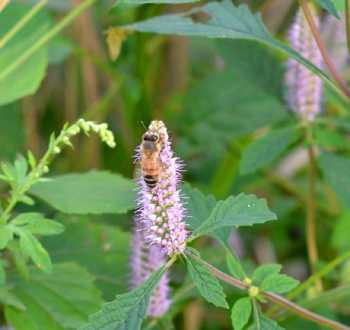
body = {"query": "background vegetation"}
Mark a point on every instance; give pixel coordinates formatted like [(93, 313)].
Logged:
[(217, 97)]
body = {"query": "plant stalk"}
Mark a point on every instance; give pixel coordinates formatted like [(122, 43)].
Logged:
[(347, 21), (324, 271), (46, 38), (325, 55), (22, 22), (30, 180), (275, 298), (311, 227)]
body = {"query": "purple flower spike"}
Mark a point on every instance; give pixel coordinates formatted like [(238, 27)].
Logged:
[(146, 260), (161, 214), (304, 87)]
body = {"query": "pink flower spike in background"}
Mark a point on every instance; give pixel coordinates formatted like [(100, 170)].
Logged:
[(334, 35), (144, 261), (304, 89)]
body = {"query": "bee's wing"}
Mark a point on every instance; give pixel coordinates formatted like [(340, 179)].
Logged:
[(137, 170)]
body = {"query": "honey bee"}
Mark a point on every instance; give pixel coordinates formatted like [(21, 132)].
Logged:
[(150, 162)]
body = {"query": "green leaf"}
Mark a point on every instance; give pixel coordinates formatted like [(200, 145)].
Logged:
[(265, 150), (31, 247), (45, 227), (336, 170), (342, 123), (6, 235), (19, 258), (198, 206), (234, 266), (60, 300), (207, 284), (242, 210), (237, 84), (225, 21), (339, 5), (340, 235), (329, 6), (12, 131), (271, 70), (266, 324), (26, 200), (278, 283), (21, 168), (8, 171), (141, 2), (264, 271), (31, 159), (100, 248), (37, 224), (241, 312), (9, 299), (326, 138), (128, 310), (25, 80), (92, 192), (3, 264)]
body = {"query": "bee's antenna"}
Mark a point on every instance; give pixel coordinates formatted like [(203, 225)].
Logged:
[(143, 124)]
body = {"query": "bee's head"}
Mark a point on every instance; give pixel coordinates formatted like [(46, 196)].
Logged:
[(151, 137), (150, 141)]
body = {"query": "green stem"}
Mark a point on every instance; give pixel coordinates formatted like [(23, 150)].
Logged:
[(46, 38), (22, 22), (324, 271), (30, 180), (275, 298), (347, 19), (311, 209), (311, 227)]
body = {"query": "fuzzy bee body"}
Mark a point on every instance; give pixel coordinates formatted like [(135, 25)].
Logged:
[(150, 158)]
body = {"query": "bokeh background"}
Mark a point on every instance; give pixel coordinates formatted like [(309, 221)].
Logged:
[(215, 97)]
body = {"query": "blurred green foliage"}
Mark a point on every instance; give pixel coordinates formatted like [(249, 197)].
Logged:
[(223, 102)]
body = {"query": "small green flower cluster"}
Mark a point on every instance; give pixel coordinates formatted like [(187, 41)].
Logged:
[(39, 168), (101, 129), (87, 127), (64, 139)]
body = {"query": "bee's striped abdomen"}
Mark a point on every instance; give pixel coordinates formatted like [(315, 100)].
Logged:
[(150, 180)]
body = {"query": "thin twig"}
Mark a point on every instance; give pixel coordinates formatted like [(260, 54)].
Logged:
[(277, 299), (325, 55)]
